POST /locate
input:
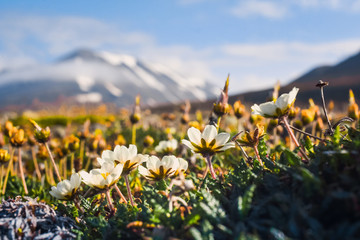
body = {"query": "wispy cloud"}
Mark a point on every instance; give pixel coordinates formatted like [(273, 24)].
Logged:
[(25, 39), (266, 9), (279, 9)]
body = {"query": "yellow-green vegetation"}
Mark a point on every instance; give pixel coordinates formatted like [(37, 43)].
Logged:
[(124, 177)]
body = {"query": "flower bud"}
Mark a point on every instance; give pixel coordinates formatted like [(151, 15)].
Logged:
[(4, 156), (148, 141), (73, 143), (185, 119), (195, 124), (272, 124), (331, 105), (319, 124), (298, 124), (42, 153), (307, 116), (353, 109), (17, 137), (42, 135), (293, 112), (7, 128), (239, 109), (135, 116), (120, 140), (221, 107)]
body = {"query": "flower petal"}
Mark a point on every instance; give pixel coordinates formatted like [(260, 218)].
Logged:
[(268, 109), (132, 151), (122, 154), (107, 155), (227, 146), (143, 171), (209, 133), (221, 139), (152, 163), (75, 180), (188, 144), (194, 135)]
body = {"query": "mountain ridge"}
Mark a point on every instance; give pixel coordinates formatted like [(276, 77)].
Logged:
[(101, 77)]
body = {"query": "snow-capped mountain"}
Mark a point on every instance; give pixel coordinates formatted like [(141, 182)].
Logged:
[(89, 76)]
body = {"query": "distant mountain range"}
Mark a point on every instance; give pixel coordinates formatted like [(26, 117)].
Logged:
[(86, 76), (341, 77)]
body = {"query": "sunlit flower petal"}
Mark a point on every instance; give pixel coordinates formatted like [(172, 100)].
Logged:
[(194, 135)]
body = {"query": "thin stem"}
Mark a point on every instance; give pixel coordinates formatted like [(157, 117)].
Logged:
[(325, 111), (218, 124), (120, 193), (47, 174), (53, 161), (133, 136), (77, 204), (8, 170), (11, 149), (204, 176), (292, 136), (2, 176), (64, 162), (258, 155), (88, 161), (36, 165), (305, 133), (51, 174), (128, 189), (22, 171), (243, 152), (211, 168), (111, 206), (82, 147), (72, 162)]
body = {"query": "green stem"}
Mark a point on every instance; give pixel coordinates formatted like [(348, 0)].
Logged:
[(82, 147), (64, 162), (133, 136), (2, 176), (218, 124), (72, 162), (8, 170)]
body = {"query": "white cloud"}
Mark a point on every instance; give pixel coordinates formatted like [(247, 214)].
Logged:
[(250, 65), (266, 9)]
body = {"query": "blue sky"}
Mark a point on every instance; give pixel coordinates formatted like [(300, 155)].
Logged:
[(257, 41)]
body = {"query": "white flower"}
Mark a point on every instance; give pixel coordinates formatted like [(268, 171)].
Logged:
[(128, 157), (183, 166), (278, 108), (209, 142), (167, 146), (103, 177), (66, 189), (157, 169)]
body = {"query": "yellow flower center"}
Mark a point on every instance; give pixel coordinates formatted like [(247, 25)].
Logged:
[(105, 175)]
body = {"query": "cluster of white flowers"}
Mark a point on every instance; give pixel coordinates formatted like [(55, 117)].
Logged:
[(117, 163)]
